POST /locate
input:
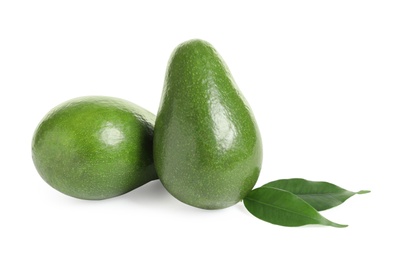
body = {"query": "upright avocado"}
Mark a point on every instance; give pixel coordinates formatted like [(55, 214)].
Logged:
[(95, 147), (207, 146)]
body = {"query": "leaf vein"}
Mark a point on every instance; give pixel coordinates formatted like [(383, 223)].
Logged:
[(290, 211)]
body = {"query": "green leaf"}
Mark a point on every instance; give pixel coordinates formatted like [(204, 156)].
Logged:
[(321, 195), (283, 208)]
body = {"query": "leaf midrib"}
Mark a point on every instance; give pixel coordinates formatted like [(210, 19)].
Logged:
[(258, 201), (320, 194)]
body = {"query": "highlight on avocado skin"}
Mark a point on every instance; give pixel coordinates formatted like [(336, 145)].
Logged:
[(95, 147), (207, 145)]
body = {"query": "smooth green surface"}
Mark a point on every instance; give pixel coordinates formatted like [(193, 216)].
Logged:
[(321, 195), (207, 146), (95, 147), (283, 208)]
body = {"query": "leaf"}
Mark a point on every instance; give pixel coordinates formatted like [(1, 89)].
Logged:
[(321, 195), (283, 208)]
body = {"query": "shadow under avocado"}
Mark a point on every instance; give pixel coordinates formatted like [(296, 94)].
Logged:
[(149, 193)]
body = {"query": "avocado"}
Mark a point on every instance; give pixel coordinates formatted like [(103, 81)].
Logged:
[(207, 145), (95, 147)]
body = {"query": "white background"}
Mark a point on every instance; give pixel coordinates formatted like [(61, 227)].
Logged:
[(320, 77)]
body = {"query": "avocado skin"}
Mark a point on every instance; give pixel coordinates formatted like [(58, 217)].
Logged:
[(95, 147), (207, 146)]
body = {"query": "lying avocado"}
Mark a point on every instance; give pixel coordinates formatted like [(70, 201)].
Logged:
[(95, 147), (207, 146)]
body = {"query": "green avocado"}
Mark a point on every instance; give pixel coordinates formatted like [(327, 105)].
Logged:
[(95, 147), (207, 146)]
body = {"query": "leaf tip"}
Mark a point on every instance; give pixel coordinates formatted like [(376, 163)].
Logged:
[(363, 191), (339, 225)]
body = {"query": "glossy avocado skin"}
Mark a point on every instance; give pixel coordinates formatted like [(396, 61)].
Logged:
[(95, 147), (207, 146)]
